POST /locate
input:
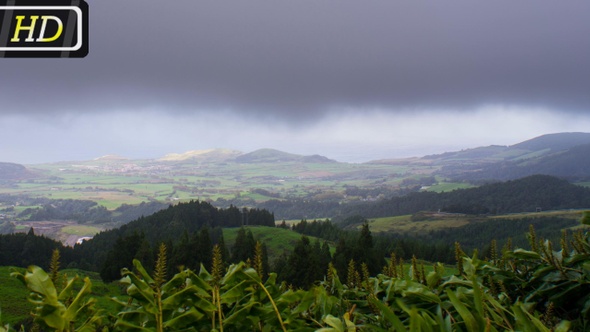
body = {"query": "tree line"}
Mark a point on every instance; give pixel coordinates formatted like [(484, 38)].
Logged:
[(190, 231), (521, 195)]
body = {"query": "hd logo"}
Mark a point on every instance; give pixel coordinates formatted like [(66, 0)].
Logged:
[(43, 28)]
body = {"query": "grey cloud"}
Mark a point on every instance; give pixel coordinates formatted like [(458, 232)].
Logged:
[(297, 59)]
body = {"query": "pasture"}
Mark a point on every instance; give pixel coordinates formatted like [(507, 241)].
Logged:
[(112, 183)]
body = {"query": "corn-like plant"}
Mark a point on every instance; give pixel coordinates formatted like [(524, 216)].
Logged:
[(64, 311)]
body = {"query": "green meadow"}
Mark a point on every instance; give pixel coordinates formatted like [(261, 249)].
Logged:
[(278, 240), (112, 183), (404, 224)]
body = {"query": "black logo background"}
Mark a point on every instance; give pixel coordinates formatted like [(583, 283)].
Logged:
[(64, 46)]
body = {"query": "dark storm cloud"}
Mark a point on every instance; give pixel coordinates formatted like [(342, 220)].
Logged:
[(295, 59)]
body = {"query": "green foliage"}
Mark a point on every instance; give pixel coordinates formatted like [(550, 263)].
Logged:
[(67, 310), (520, 291), (542, 289)]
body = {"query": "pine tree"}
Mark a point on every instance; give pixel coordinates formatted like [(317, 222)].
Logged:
[(300, 270), (204, 248), (239, 246)]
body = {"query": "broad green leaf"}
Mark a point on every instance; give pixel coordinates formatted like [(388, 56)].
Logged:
[(52, 316), (350, 326), (146, 276), (563, 326), (468, 318), (422, 293), (433, 279), (543, 272), (388, 314), (68, 291), (185, 296), (415, 321), (455, 281), (127, 325), (469, 267), (575, 259), (74, 308), (335, 324), (235, 293), (39, 282), (568, 291), (183, 320), (241, 314), (252, 274), (477, 297), (234, 274), (524, 254), (527, 321), (193, 279)]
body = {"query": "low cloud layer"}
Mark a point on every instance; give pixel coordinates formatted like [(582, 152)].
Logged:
[(300, 64), (351, 137)]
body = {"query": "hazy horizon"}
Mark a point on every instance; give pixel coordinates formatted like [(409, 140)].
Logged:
[(352, 81), (341, 155)]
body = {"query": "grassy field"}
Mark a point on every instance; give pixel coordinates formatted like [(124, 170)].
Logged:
[(81, 230), (116, 182), (278, 240), (404, 224), (448, 186), (13, 298), (571, 214)]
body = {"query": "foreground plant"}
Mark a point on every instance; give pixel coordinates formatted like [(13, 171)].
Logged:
[(63, 312)]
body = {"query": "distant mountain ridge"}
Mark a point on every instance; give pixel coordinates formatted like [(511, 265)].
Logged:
[(555, 142), (203, 155), (276, 156), (12, 171), (563, 155)]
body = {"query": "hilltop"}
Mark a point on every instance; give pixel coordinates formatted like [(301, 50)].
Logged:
[(12, 171), (276, 156), (208, 155), (563, 155)]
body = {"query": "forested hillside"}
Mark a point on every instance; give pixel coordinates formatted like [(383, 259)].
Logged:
[(523, 195), (81, 211), (170, 225)]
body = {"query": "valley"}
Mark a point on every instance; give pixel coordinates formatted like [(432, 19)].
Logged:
[(291, 218), (113, 190)]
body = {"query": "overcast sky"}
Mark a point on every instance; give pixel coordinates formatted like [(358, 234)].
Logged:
[(351, 80)]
